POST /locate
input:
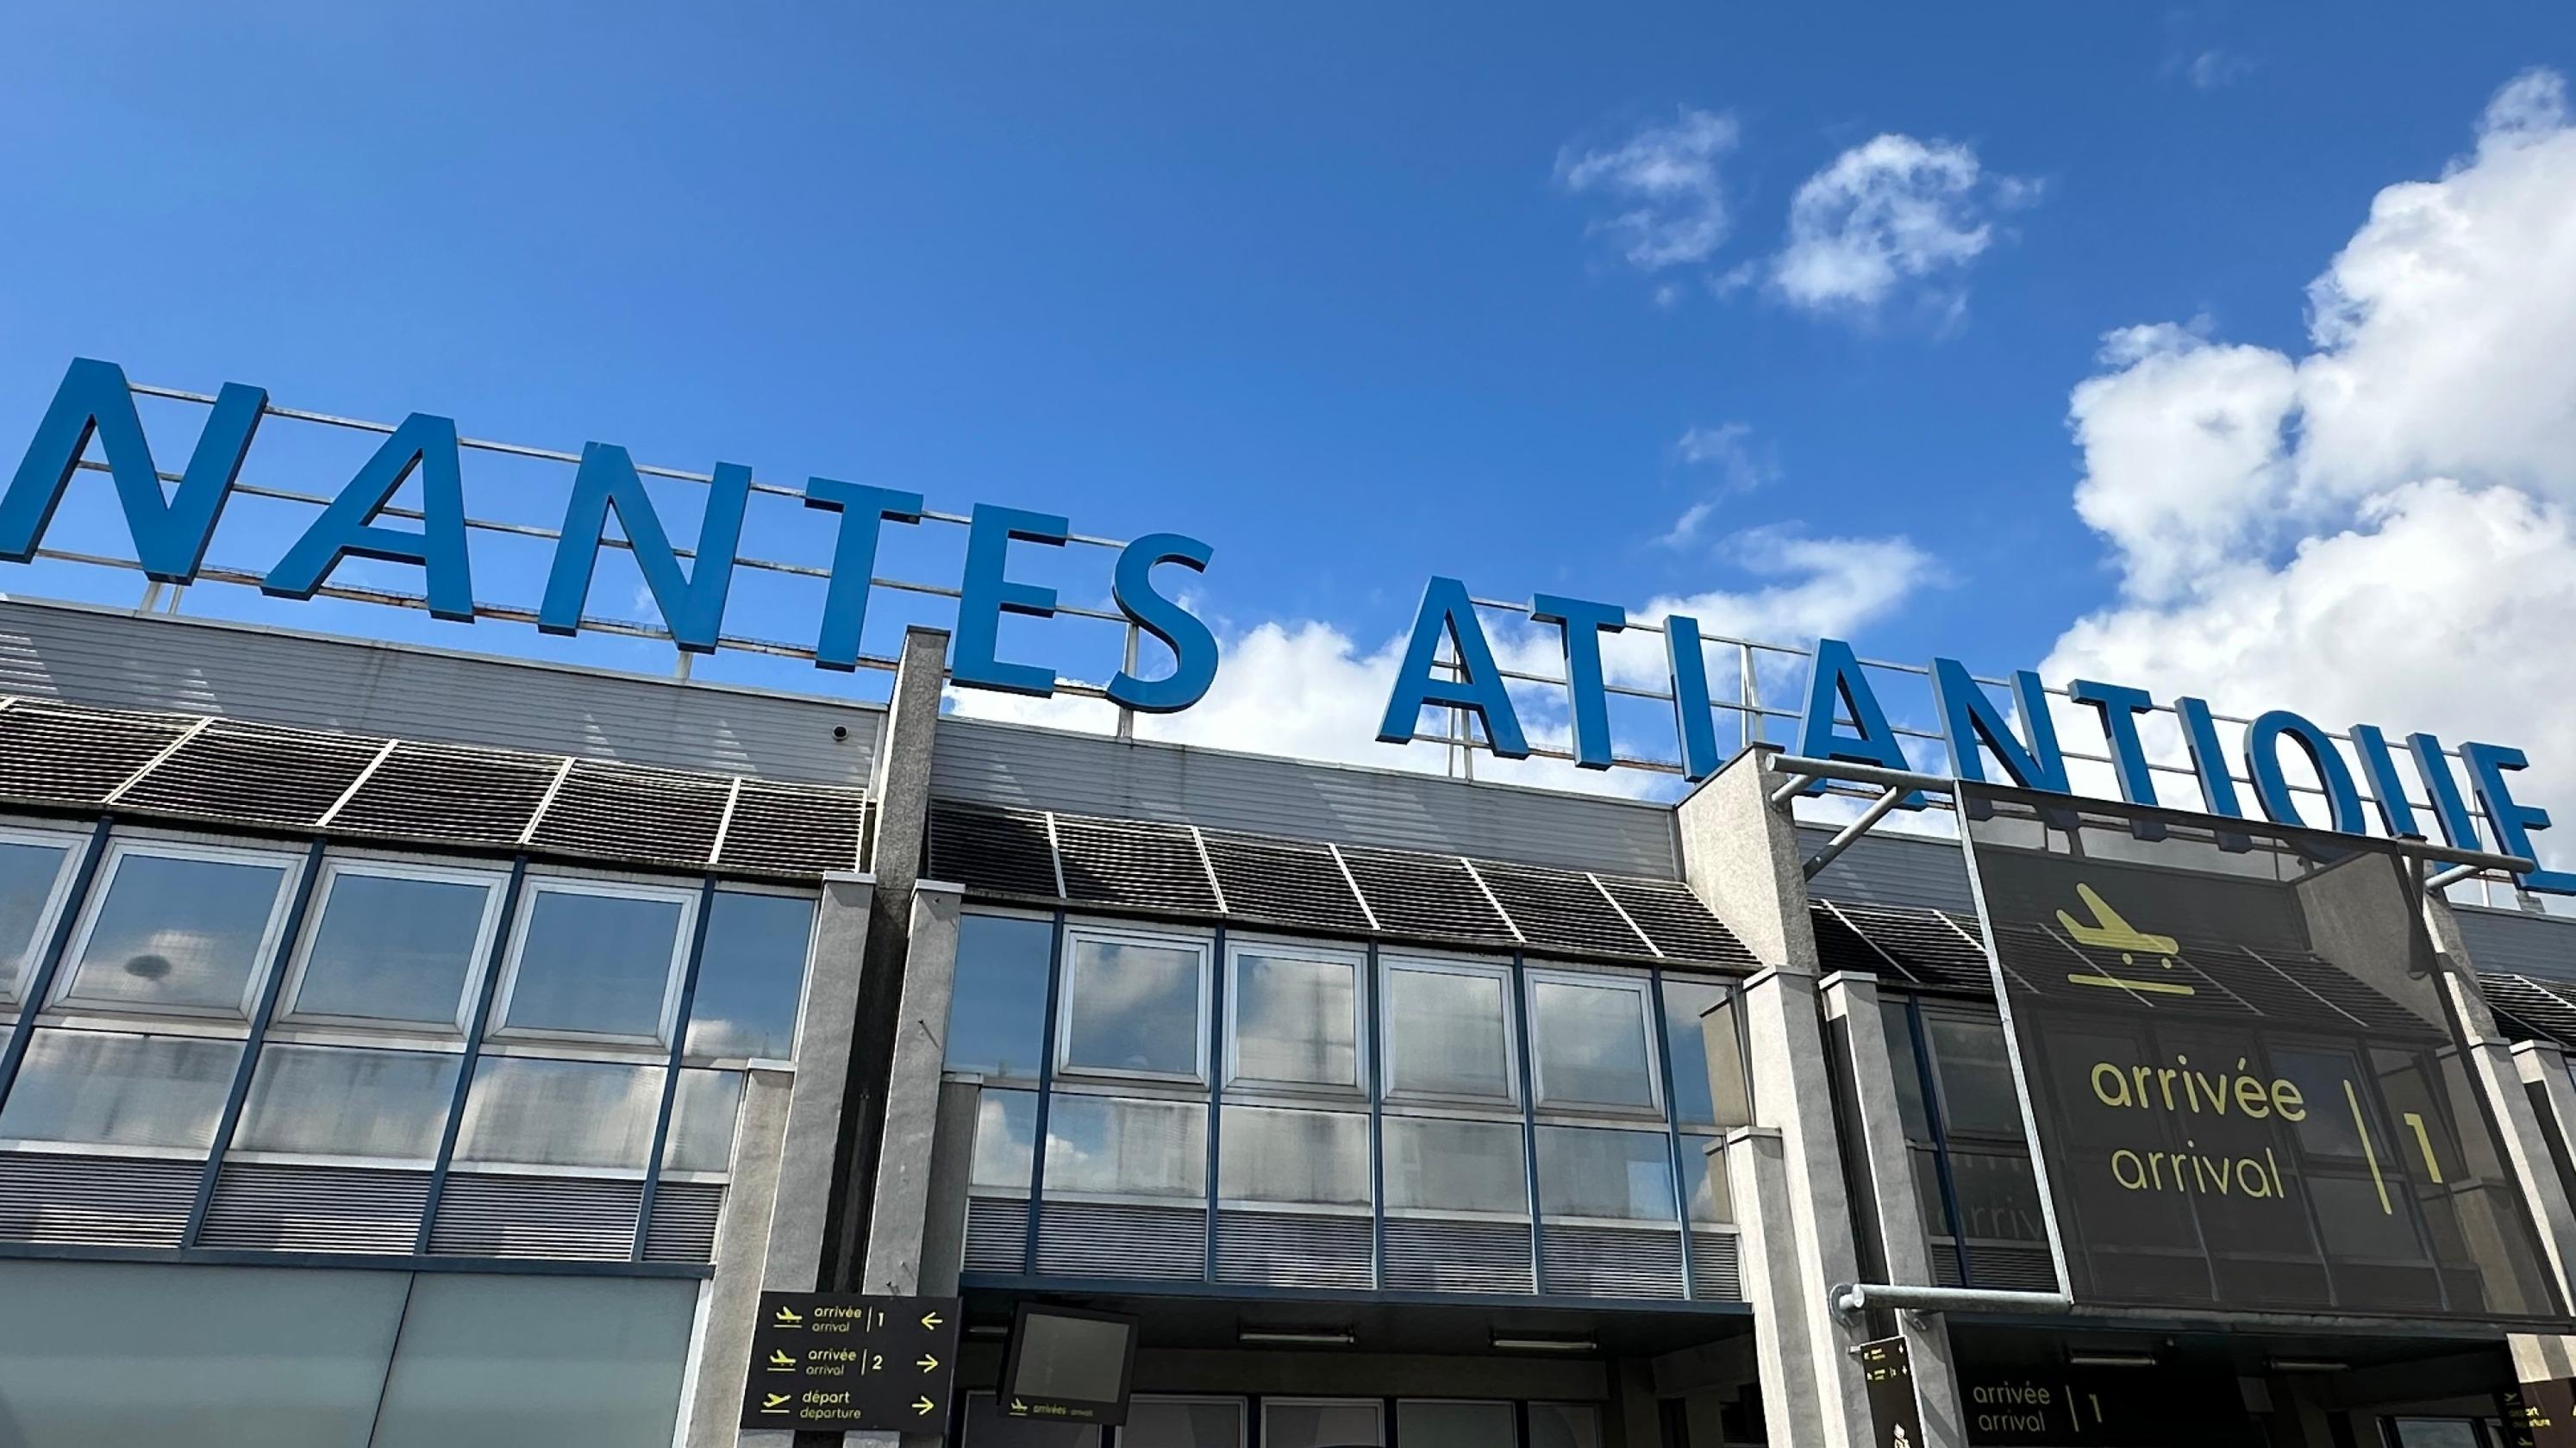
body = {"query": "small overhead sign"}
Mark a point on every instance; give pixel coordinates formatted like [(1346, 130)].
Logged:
[(1069, 1365), (835, 1362), (1896, 1418)]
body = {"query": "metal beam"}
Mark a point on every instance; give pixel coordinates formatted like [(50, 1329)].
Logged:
[(1856, 1297), (1844, 837)]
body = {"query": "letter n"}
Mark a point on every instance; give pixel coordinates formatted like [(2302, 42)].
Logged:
[(170, 531)]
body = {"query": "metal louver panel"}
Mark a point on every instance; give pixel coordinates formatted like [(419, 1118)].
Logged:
[(1560, 910), (2542, 1013), (464, 796), (1841, 948), (102, 1201), (1433, 1256), (1285, 882), (994, 851), (1717, 1267), (1923, 944), (997, 1235), (266, 1208), (577, 1219), (1613, 1262), (2019, 1269), (1294, 1249), (1099, 1239), (793, 829), (1132, 863), (76, 756), (683, 1228), (253, 773), (1678, 923), (621, 810), (1430, 895)]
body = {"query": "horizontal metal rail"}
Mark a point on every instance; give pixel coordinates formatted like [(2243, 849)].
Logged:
[(1804, 772), (1857, 1297)]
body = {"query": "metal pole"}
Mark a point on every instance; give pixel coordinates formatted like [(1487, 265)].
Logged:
[(1843, 838), (1852, 1298), (1748, 692), (1127, 716)]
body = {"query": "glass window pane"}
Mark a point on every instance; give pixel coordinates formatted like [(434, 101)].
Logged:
[(1999, 1196), (1164, 1423), (178, 932), (119, 1090), (702, 1121), (498, 1362), (27, 875), (560, 1113), (1626, 1175), (1315, 1157), (1975, 1075), (595, 964), (1319, 1425), (1712, 1201), (997, 1010), (1564, 1425), (154, 1355), (1908, 1071), (1447, 1036), (1006, 1133), (751, 977), (1592, 1045), (1296, 1021), (1101, 1144), (1131, 1007), (1454, 1425), (326, 1100), (1455, 1166), (393, 949), (1699, 1099)]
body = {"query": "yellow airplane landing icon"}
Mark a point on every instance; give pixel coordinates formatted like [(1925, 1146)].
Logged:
[(2110, 932)]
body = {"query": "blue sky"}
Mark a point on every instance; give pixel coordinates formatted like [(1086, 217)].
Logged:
[(1344, 290)]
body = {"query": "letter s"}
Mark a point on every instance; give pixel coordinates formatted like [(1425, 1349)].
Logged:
[(1194, 651)]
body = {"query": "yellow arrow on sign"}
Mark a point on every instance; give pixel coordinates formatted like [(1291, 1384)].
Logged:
[(922, 1406), (927, 1363), (931, 1319)]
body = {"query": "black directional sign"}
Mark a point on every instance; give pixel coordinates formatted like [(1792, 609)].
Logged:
[(831, 1362), (1888, 1368)]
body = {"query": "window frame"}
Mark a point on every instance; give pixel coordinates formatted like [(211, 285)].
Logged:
[(13, 987), (299, 966), (259, 1155), (1641, 986), (1391, 1090), (1060, 1048), (1293, 949), (673, 976), (64, 998)]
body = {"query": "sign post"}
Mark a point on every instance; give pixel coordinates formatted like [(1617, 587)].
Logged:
[(834, 1362)]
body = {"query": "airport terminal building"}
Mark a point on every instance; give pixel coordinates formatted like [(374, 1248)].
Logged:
[(405, 1046)]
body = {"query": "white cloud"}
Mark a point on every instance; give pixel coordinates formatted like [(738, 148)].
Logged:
[(1724, 456), (1891, 210), (2379, 529), (1665, 179), (1310, 691), (2213, 68)]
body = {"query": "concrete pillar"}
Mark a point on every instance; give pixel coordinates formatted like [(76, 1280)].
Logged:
[(1852, 1014), (899, 791), (2542, 1065), (1742, 859), (742, 1252), (777, 1207), (894, 1249), (2491, 1064)]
